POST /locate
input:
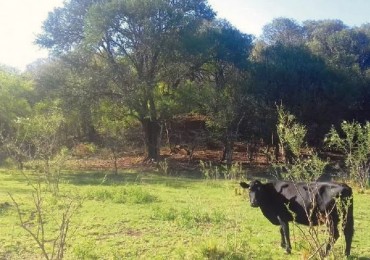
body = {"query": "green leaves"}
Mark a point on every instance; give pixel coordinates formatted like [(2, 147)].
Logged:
[(15, 98), (283, 31), (290, 132), (42, 130), (354, 142)]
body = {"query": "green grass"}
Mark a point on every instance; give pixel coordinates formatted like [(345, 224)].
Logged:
[(145, 216)]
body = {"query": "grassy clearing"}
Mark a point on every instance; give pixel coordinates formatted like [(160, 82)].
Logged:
[(145, 216)]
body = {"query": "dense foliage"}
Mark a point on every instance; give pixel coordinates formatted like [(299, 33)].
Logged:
[(121, 65)]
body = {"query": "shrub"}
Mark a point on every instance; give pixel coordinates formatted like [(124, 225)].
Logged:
[(354, 143), (83, 150), (302, 170), (291, 134)]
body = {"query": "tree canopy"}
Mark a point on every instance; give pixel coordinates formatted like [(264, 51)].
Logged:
[(147, 62)]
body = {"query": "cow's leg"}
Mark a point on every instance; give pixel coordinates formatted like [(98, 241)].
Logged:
[(283, 243), (348, 229), (285, 238)]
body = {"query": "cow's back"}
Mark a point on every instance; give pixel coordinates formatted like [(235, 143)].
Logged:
[(310, 199)]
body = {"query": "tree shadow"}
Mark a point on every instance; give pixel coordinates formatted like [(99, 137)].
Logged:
[(359, 257), (103, 178)]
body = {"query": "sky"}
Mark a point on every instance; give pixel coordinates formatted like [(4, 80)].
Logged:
[(21, 20)]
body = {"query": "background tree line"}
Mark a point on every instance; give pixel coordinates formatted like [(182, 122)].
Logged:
[(121, 70)]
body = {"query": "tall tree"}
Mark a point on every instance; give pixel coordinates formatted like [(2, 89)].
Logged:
[(316, 93), (283, 31), (318, 33), (72, 84), (346, 51), (140, 41), (226, 82)]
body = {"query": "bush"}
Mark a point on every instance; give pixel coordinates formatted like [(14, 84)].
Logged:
[(83, 150), (308, 170), (291, 134), (354, 143)]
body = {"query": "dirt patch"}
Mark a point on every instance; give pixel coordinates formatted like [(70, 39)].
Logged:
[(177, 162)]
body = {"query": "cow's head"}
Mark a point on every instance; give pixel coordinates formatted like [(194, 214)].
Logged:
[(255, 192)]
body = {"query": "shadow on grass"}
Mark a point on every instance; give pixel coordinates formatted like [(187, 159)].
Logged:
[(97, 178), (82, 178)]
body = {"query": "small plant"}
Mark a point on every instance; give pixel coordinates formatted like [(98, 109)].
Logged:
[(137, 195), (4, 207), (85, 250), (209, 171), (234, 171), (192, 218), (165, 214), (164, 167), (211, 250)]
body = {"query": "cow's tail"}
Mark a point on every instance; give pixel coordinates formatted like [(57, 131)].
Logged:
[(348, 221)]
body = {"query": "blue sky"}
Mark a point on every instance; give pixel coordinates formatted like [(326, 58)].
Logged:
[(250, 15), (21, 20)]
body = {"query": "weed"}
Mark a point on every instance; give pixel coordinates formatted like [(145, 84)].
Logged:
[(212, 250), (165, 214), (85, 249), (4, 207), (99, 194), (211, 172), (138, 195), (164, 167), (233, 172)]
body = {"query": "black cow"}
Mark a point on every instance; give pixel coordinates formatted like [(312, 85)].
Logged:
[(305, 203)]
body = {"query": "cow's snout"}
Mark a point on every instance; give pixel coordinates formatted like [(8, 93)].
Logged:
[(254, 203)]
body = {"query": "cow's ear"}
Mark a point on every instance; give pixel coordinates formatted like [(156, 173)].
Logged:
[(244, 185)]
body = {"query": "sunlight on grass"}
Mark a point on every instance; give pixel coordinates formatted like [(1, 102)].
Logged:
[(144, 216)]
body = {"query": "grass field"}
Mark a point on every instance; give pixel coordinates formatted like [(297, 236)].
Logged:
[(147, 216)]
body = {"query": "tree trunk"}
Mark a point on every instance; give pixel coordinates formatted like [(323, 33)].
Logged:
[(228, 149), (88, 130), (152, 134)]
